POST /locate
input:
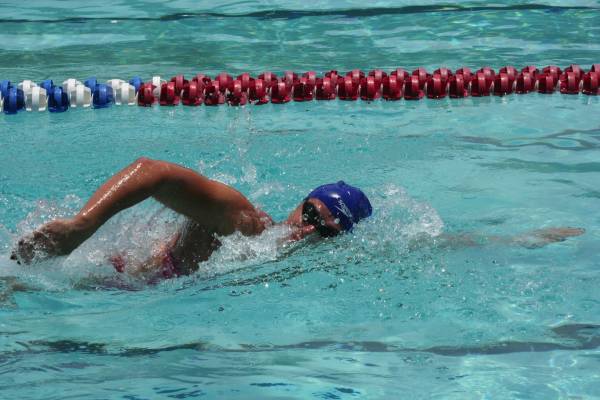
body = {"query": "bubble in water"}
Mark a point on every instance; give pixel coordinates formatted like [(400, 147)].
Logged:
[(397, 221), (238, 251)]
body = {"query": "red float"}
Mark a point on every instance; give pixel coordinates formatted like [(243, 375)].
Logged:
[(554, 71), (575, 69), (457, 86), (245, 79), (290, 78), (193, 93), (225, 81), (279, 93), (379, 75), (369, 89), (303, 90), (531, 70), (546, 83), (444, 74), (569, 82), (204, 79), (423, 75), (269, 78), (180, 82), (347, 90), (237, 96), (401, 74), (591, 83), (325, 89), (334, 76), (258, 92), (401, 77), (466, 74), (356, 75), (510, 71), (480, 85), (392, 87), (595, 68), (436, 87), (412, 88), (489, 73), (146, 95), (503, 85), (525, 83), (311, 78), (169, 95), (213, 95)]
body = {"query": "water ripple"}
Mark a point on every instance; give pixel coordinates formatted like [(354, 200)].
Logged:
[(294, 14)]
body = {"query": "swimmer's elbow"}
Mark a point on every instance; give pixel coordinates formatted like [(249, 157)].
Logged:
[(156, 171), (145, 163)]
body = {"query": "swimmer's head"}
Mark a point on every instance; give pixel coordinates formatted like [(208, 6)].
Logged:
[(334, 208)]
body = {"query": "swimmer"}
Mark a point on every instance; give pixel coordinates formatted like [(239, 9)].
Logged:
[(213, 210)]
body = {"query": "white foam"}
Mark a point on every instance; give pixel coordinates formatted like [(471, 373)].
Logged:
[(238, 251), (398, 220)]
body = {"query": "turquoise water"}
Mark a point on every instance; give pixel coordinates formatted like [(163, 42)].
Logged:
[(367, 315)]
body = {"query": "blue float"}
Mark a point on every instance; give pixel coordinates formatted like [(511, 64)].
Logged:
[(91, 82), (14, 100), (58, 101), (48, 85), (4, 86), (136, 82), (102, 96)]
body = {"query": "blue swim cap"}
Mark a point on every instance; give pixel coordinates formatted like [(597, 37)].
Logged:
[(345, 202)]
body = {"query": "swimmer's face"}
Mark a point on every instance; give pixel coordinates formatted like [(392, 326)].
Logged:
[(316, 213)]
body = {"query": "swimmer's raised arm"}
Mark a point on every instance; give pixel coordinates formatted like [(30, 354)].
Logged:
[(213, 204), (218, 207)]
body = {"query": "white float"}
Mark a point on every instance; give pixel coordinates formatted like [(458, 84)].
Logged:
[(157, 82), (70, 84), (80, 96), (125, 94), (36, 99), (26, 85)]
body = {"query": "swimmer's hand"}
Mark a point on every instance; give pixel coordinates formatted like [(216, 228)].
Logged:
[(542, 237), (300, 232), (55, 238)]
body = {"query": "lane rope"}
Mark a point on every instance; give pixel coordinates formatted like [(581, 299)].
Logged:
[(270, 88)]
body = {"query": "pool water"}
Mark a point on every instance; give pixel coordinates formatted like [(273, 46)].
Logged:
[(380, 313)]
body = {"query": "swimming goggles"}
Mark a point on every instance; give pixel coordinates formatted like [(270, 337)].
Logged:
[(311, 216)]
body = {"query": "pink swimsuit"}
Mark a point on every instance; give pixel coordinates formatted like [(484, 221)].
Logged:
[(168, 266)]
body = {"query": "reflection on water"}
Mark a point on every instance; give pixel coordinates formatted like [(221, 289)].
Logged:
[(574, 336), (568, 139)]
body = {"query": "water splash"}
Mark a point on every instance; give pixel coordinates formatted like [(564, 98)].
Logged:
[(399, 220), (399, 223)]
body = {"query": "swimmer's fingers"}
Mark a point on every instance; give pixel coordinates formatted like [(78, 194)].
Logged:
[(55, 238), (542, 237), (300, 233), (560, 233), (30, 247)]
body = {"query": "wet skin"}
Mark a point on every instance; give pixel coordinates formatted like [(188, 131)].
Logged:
[(212, 209)]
